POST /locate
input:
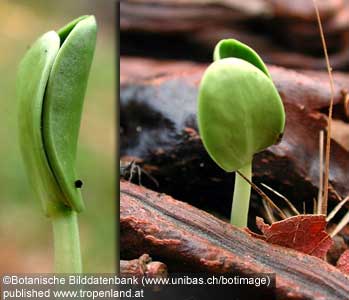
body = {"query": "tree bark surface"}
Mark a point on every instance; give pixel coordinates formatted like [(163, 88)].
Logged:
[(189, 239)]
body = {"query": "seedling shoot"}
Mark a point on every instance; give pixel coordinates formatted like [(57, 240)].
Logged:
[(239, 114)]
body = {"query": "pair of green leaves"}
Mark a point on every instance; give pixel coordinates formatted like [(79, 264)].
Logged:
[(240, 111), (51, 84)]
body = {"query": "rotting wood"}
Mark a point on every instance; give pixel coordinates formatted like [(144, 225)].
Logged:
[(309, 90), (186, 238), (143, 266)]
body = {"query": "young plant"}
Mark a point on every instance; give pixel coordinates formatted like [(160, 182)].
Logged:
[(239, 114), (51, 84)]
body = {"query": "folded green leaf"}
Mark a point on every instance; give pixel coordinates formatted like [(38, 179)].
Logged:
[(51, 84), (233, 48)]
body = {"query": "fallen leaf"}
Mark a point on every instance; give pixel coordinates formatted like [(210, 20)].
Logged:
[(343, 262), (304, 233)]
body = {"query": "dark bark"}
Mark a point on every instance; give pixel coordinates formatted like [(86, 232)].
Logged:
[(186, 238)]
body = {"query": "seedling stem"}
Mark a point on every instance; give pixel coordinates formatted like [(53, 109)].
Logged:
[(66, 241), (241, 198)]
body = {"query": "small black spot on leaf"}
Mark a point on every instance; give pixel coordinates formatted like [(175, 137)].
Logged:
[(78, 184)]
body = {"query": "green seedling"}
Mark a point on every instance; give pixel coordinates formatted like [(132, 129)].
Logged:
[(239, 114), (51, 84)]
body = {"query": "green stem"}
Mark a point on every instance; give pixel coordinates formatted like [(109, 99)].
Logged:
[(241, 198), (66, 241)]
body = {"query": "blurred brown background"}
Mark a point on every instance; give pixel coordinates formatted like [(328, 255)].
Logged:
[(284, 32)]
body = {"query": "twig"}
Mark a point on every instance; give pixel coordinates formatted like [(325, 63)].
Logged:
[(263, 195), (321, 171), (315, 211), (333, 190), (346, 103), (328, 140), (340, 225), (336, 209), (292, 207), (268, 211)]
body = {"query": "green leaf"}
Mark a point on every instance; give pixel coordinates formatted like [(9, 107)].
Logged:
[(51, 84), (32, 78), (239, 109), (233, 48), (63, 105)]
